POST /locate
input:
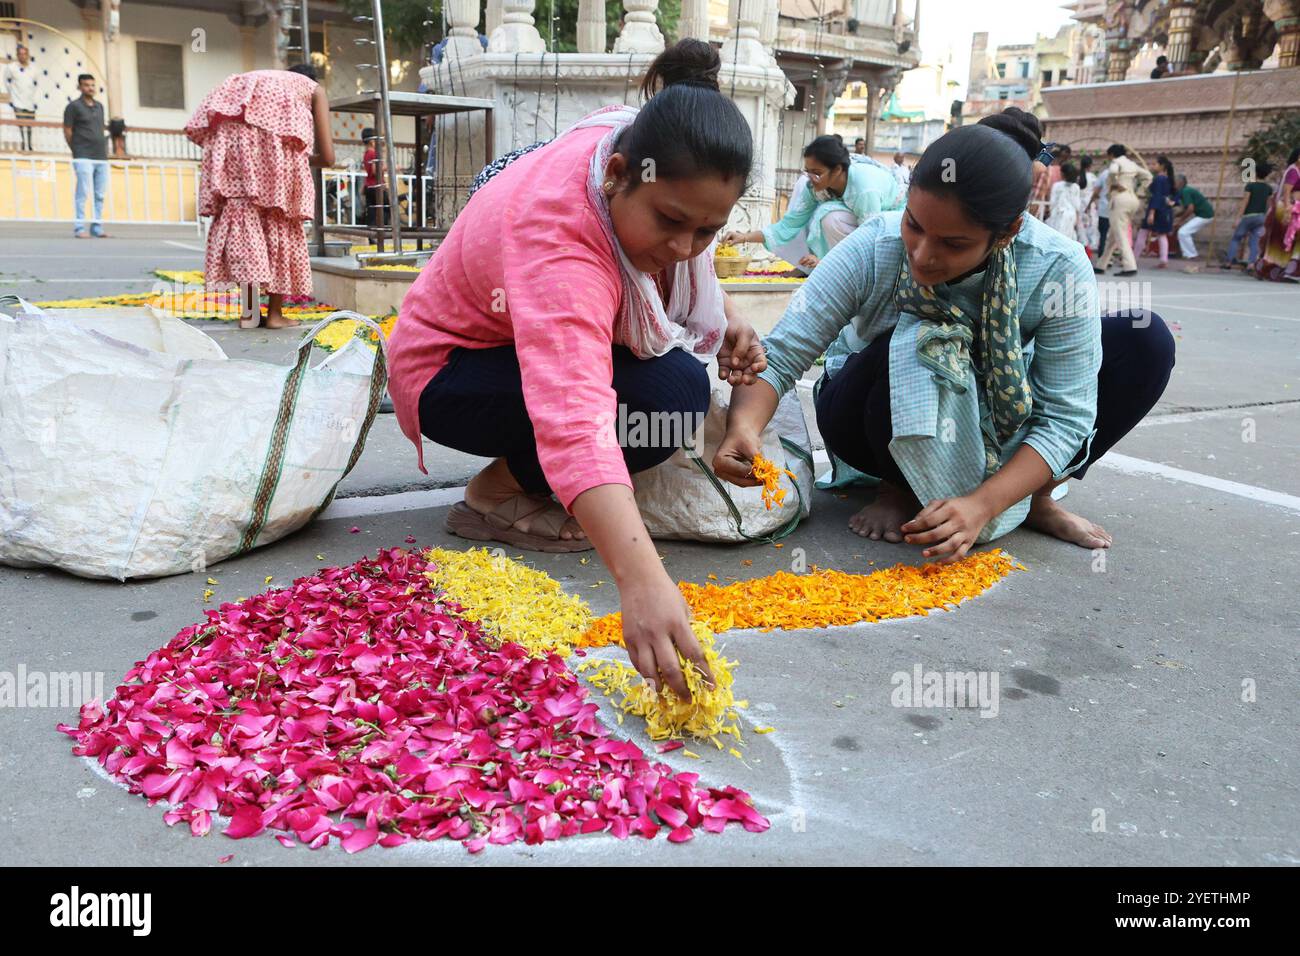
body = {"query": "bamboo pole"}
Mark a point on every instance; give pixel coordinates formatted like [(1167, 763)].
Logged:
[(1223, 161)]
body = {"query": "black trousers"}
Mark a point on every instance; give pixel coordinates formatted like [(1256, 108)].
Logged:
[(475, 404), (1103, 230), (1137, 357)]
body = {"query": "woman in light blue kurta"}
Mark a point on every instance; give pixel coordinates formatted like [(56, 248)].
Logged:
[(837, 193), (968, 367)]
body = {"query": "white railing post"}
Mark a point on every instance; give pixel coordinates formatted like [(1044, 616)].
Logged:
[(517, 33), (640, 33), (591, 24)]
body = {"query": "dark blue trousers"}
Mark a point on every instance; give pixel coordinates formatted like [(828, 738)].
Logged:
[(475, 404), (1137, 357)]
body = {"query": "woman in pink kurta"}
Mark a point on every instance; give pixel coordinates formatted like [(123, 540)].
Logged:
[(574, 293), (258, 131)]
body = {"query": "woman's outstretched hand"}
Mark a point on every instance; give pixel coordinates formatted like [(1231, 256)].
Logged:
[(741, 357), (734, 461), (948, 526), (656, 626)]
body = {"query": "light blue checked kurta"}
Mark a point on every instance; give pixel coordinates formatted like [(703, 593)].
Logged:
[(848, 301), (871, 189)]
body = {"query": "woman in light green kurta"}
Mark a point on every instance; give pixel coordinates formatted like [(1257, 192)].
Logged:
[(836, 194), (968, 368)]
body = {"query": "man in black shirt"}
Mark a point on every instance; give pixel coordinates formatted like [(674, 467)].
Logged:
[(1162, 68), (83, 129)]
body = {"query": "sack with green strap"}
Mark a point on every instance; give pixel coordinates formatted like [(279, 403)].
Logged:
[(683, 499), (131, 446)]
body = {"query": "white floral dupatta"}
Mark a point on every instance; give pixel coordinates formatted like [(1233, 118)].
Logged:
[(694, 320)]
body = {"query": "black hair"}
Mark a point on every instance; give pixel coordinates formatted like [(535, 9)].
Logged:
[(1069, 172), (368, 134), (1169, 167), (306, 69), (860, 139), (687, 127), (987, 168), (1161, 59), (84, 76), (1295, 155), (828, 150), (1085, 164), (1116, 151), (1263, 169)]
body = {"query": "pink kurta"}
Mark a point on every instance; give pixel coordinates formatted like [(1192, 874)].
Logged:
[(526, 263), (257, 134)]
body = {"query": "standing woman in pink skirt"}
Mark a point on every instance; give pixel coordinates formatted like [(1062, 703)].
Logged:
[(261, 133)]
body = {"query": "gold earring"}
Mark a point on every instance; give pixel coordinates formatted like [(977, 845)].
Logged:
[(609, 185)]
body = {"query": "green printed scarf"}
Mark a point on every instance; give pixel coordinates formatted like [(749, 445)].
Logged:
[(945, 340)]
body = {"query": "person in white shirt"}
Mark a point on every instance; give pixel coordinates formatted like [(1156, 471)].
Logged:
[(19, 82), (901, 172)]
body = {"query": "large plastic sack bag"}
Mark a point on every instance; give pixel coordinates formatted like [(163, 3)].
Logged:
[(683, 499), (131, 446)]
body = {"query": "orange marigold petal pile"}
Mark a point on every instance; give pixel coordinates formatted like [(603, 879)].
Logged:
[(769, 473), (823, 598)]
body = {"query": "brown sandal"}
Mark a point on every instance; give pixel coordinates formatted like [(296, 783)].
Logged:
[(499, 525)]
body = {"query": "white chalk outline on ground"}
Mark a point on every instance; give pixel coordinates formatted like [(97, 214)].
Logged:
[(1250, 315), (182, 245), (1139, 466), (1180, 418)]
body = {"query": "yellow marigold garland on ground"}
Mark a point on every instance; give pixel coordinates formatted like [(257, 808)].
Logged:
[(709, 714), (513, 601), (823, 598)]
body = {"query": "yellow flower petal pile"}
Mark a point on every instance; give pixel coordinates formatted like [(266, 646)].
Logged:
[(709, 714), (513, 601), (727, 252), (823, 598), (766, 280)]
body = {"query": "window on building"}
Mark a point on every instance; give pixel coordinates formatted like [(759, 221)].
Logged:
[(1047, 78), (1002, 71), (161, 76), (1024, 69), (8, 11), (1002, 94)]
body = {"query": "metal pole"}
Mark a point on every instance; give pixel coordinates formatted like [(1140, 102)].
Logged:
[(381, 60), (305, 31)]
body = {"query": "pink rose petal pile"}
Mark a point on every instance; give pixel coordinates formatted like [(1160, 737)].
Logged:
[(358, 705)]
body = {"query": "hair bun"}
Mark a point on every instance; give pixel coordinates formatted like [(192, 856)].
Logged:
[(1023, 127), (687, 62)]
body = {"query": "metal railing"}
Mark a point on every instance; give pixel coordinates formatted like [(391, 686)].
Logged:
[(141, 142), (41, 189), (345, 199)]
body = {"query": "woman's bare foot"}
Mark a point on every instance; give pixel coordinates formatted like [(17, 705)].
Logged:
[(1047, 515), (884, 517), (494, 484), (275, 320)]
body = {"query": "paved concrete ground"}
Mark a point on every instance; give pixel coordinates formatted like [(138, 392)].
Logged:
[(1121, 687)]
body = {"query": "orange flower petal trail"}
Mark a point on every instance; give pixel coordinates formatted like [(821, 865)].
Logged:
[(769, 473), (825, 598)]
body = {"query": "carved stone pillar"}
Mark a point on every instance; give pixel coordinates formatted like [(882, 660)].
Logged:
[(462, 38), (591, 26), (771, 24), (1285, 15), (1118, 52), (640, 32), (694, 21), (1182, 27), (517, 33), (745, 46), (492, 17)]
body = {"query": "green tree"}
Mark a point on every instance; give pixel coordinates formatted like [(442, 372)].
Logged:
[(1274, 141), (405, 30)]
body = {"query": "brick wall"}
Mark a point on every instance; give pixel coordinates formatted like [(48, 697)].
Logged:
[(1185, 118)]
